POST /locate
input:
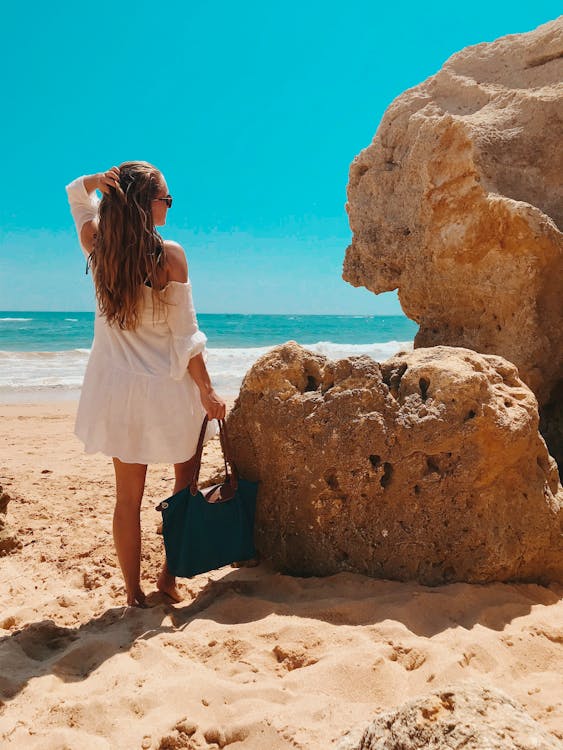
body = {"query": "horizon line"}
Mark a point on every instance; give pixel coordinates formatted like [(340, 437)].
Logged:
[(322, 315)]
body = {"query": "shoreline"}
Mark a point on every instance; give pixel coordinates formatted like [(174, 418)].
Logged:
[(45, 359), (227, 367), (46, 396), (40, 397)]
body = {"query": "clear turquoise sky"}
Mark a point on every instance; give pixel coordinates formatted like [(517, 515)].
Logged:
[(253, 111)]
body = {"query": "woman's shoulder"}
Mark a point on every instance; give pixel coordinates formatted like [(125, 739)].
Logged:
[(176, 263)]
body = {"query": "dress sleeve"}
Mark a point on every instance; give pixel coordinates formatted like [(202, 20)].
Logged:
[(83, 206), (186, 339)]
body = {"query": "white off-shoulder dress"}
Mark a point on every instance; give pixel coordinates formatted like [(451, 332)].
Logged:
[(138, 401)]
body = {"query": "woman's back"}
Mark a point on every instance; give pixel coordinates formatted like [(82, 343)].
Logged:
[(165, 338)]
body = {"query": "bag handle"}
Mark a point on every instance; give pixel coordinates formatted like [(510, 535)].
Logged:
[(227, 455), (231, 478)]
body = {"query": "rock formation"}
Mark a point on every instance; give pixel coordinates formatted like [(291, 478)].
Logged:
[(458, 204), (467, 716), (8, 540), (428, 467)]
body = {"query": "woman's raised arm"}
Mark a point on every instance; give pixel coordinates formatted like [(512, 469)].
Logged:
[(84, 202)]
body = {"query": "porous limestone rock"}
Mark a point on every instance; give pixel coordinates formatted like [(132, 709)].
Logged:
[(458, 204), (464, 716), (428, 467), (8, 540)]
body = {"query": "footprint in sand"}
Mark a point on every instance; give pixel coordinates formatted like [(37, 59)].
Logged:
[(478, 658), (41, 640), (226, 737), (409, 658), (293, 657), (9, 688), (180, 738), (84, 659)]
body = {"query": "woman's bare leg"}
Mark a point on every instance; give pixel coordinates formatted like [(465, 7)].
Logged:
[(166, 581), (129, 486)]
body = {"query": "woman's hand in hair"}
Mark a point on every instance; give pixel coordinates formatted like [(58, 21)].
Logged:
[(103, 181), (109, 179)]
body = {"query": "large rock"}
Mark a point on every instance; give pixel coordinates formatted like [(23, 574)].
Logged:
[(427, 467), (466, 716), (458, 204)]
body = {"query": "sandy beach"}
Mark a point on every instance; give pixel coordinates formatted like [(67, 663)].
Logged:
[(251, 658)]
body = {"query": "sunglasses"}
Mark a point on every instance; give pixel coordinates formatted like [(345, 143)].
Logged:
[(167, 200)]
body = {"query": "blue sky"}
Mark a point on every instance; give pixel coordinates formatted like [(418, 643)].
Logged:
[(252, 110)]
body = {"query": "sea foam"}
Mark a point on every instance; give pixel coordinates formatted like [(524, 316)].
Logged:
[(25, 374)]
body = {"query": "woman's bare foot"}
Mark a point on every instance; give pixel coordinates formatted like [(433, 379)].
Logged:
[(137, 598), (167, 585)]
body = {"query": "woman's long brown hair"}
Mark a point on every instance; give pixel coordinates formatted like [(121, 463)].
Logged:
[(128, 251)]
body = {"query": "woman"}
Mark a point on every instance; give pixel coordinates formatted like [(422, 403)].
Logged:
[(146, 388)]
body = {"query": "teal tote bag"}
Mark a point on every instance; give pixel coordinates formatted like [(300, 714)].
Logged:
[(204, 530)]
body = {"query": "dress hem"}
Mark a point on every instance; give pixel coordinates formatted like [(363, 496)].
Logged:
[(127, 460)]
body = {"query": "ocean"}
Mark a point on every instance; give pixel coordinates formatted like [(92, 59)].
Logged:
[(43, 354)]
